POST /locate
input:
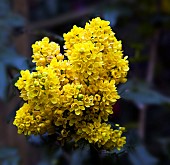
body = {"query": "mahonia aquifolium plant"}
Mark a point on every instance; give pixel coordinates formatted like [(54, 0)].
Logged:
[(75, 96)]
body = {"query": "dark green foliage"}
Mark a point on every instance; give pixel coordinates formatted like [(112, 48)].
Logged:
[(140, 93), (9, 58), (9, 156)]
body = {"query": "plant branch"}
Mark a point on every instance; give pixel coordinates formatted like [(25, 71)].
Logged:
[(62, 19), (149, 80)]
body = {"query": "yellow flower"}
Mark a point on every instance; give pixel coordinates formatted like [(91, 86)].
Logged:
[(75, 96), (29, 122), (44, 51), (88, 100), (25, 76), (77, 106)]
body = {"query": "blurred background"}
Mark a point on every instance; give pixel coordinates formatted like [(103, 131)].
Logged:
[(144, 109)]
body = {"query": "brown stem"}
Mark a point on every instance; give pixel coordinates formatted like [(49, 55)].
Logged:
[(142, 119), (152, 59), (61, 19), (149, 80)]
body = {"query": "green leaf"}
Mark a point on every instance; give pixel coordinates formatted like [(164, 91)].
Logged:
[(14, 20), (10, 58), (7, 152), (79, 156), (15, 79), (3, 82), (9, 156), (12, 114), (4, 8), (142, 157), (139, 92), (4, 37)]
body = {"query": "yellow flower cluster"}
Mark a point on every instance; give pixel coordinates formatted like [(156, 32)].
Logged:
[(75, 96), (95, 52), (44, 52), (102, 134)]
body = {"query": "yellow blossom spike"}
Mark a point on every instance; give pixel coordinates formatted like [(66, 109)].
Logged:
[(75, 96)]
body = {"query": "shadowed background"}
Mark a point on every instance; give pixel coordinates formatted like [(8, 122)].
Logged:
[(144, 109)]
